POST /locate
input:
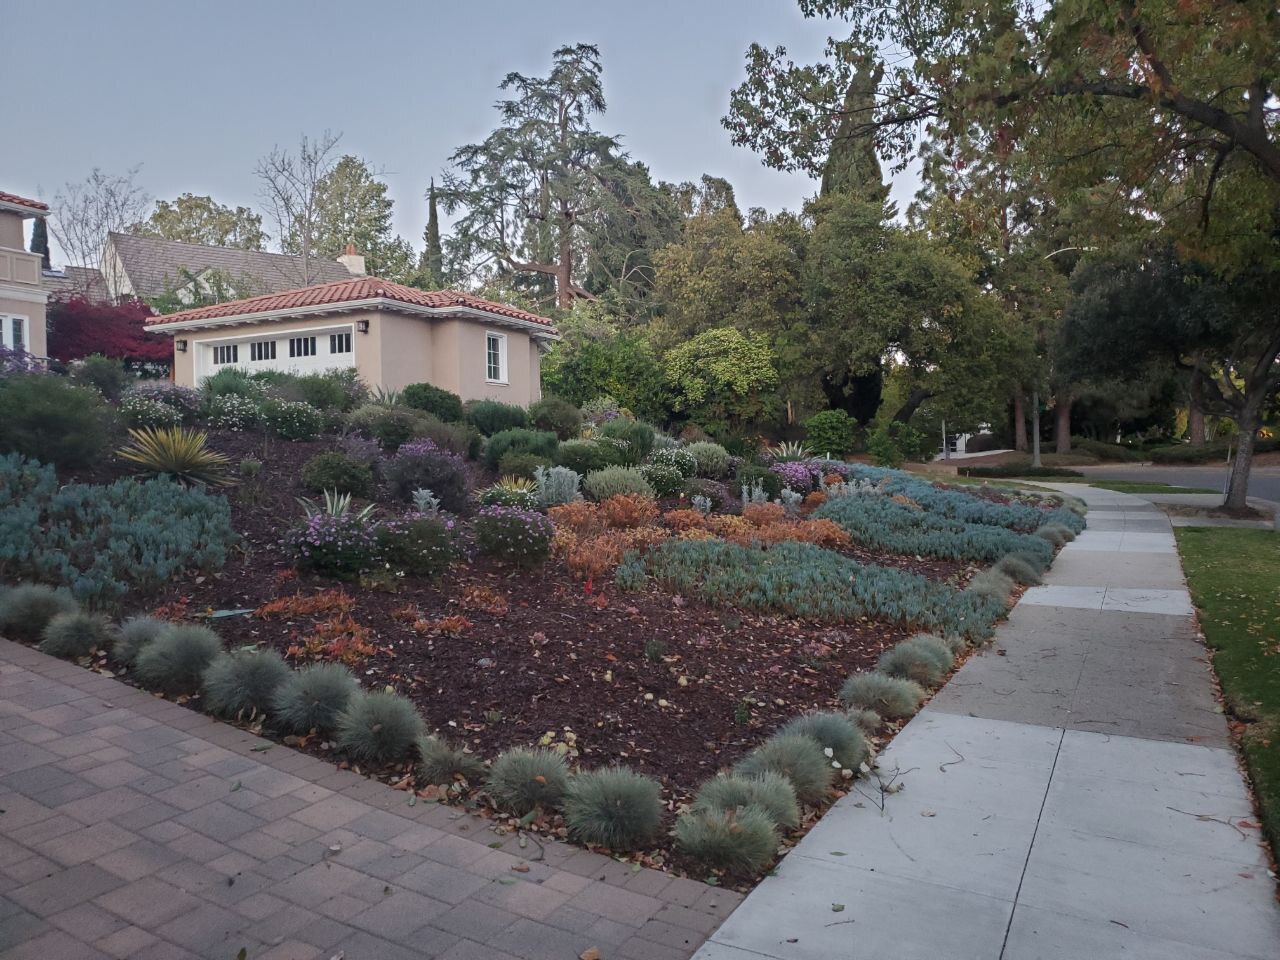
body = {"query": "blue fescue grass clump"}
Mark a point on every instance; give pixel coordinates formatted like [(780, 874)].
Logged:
[(73, 635), (242, 685), (1057, 534), (378, 727), (25, 610), (521, 780), (134, 634), (1020, 568), (175, 661), (312, 699), (811, 582), (992, 583), (736, 842), (614, 807), (922, 658), (103, 540), (440, 763), (868, 721), (768, 791), (798, 758), (890, 697), (834, 732)]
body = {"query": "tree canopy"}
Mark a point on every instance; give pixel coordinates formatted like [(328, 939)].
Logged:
[(196, 219)]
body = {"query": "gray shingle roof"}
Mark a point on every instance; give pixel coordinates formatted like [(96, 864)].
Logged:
[(155, 266), (85, 281)]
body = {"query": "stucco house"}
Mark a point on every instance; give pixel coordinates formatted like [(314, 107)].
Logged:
[(392, 335), (22, 294)]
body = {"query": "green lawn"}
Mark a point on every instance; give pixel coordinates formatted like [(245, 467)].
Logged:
[(1145, 486), (1235, 582)]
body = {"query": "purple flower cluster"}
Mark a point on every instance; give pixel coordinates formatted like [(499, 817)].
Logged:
[(803, 475), (514, 534), (338, 545), (183, 399), (13, 362), (427, 448)]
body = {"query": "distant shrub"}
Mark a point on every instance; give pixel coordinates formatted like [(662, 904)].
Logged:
[(926, 661), (556, 486), (981, 443), (737, 842), (559, 416), (1105, 451), (417, 544), (378, 727), (612, 481), (323, 391), (434, 400), (51, 420), (798, 758), (1018, 568), (540, 443), (613, 807), (624, 510), (107, 375), (234, 412), (175, 661), (441, 764), (312, 698), (522, 779), (134, 634), (72, 635), (891, 442), (834, 732), (714, 491), (511, 491), (341, 545), (291, 419), (241, 685), (25, 610), (145, 412), (493, 416), (751, 476), (769, 791), (424, 465), (524, 465), (584, 456), (636, 438), (185, 400), (513, 535), (333, 470), (390, 426), (830, 433), (712, 460), (667, 481), (233, 382), (888, 696)]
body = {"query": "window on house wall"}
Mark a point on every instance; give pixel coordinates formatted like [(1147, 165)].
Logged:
[(13, 332), (262, 350), (225, 353), (340, 343), (496, 357), (302, 346)]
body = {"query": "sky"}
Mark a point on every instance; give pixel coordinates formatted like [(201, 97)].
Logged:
[(195, 92)]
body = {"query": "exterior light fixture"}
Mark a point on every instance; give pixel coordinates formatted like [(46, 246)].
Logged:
[(362, 326), (181, 345)]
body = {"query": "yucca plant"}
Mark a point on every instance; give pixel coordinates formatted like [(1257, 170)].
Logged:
[(335, 505), (790, 450), (176, 452), (386, 397)]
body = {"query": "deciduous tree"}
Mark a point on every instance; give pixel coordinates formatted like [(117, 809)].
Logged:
[(194, 219)]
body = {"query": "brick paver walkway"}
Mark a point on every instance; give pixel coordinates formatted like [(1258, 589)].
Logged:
[(132, 827)]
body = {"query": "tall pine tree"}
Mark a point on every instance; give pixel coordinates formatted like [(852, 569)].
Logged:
[(432, 265)]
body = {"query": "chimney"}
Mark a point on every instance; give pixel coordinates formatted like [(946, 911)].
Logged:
[(352, 261)]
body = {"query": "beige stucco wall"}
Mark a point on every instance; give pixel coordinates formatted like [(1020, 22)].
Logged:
[(401, 349), (11, 231), (37, 343)]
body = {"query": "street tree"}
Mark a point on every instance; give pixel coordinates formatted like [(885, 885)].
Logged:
[(196, 219), (291, 187)]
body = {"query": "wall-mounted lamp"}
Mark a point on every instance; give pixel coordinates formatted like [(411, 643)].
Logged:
[(181, 345), (362, 326)]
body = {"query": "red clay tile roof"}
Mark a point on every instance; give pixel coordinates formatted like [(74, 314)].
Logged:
[(355, 289), (22, 201)]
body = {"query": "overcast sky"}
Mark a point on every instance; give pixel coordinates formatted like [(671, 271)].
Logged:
[(197, 91)]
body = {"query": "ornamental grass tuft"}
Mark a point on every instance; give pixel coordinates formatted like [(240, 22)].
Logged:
[(175, 661), (72, 635), (798, 758), (441, 764), (868, 721), (25, 610), (312, 698), (378, 727), (992, 583), (522, 779), (614, 807), (134, 634), (890, 697), (736, 842), (1019, 568), (834, 732), (1058, 534), (767, 791), (922, 658), (243, 684)]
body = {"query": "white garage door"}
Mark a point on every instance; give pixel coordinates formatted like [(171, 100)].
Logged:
[(300, 351)]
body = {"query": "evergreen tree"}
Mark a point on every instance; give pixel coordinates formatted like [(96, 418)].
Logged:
[(40, 242), (431, 266), (852, 165)]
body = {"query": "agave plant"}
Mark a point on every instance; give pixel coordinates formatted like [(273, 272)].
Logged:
[(789, 450), (515, 484), (335, 505), (385, 397), (176, 452)]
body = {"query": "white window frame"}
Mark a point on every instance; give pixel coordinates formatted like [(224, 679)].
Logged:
[(263, 346), (302, 338), (503, 371), (343, 338), (6, 331)]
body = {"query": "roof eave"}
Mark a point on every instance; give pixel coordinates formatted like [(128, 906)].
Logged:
[(21, 208)]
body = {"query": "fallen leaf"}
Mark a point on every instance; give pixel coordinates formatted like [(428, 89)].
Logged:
[(837, 908), (591, 953)]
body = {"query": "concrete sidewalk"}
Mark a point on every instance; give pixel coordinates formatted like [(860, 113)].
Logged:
[(1070, 794)]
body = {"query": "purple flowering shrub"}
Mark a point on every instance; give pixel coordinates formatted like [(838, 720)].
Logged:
[(802, 476), (514, 535), (14, 362), (423, 464), (417, 543), (337, 546)]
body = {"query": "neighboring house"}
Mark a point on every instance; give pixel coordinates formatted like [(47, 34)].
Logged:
[(392, 335), (22, 295), (151, 268)]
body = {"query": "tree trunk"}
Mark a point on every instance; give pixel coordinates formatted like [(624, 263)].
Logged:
[(917, 396), (1019, 422), (1062, 427), (1195, 425), (1248, 422), (564, 266)]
